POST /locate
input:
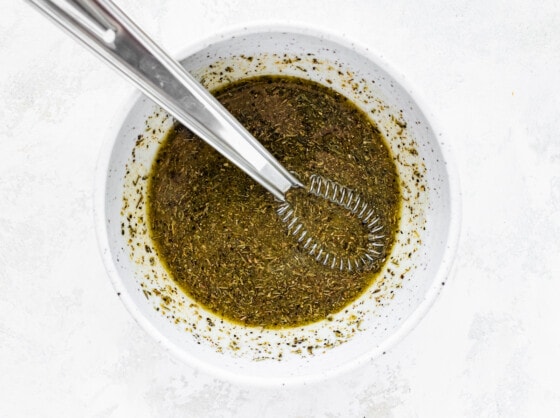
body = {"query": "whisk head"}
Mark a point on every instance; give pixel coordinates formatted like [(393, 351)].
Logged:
[(351, 201)]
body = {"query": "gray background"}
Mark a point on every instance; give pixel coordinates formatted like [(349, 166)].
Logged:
[(489, 71)]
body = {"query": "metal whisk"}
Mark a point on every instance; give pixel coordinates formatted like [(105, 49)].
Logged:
[(352, 202), (111, 34)]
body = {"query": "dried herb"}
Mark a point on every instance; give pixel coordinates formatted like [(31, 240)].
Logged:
[(217, 231)]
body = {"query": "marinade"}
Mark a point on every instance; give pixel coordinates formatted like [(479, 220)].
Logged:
[(217, 231)]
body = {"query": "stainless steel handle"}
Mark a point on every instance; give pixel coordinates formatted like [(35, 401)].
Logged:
[(110, 33)]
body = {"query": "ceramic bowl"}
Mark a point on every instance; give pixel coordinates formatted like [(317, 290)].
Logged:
[(410, 280)]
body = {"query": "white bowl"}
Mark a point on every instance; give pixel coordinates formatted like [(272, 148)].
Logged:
[(411, 279)]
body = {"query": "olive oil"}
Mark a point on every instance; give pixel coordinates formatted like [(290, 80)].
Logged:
[(217, 232)]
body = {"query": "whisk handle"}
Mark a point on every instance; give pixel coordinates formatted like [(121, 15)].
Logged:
[(110, 33)]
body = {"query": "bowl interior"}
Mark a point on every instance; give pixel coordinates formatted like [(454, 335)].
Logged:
[(409, 281)]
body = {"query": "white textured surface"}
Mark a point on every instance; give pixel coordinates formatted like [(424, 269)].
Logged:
[(489, 70)]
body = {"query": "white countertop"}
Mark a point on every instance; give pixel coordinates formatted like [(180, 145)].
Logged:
[(490, 72)]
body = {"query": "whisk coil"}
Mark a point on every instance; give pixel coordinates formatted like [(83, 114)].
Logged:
[(349, 200)]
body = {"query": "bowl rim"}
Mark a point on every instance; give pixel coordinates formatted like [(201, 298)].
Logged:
[(444, 269)]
